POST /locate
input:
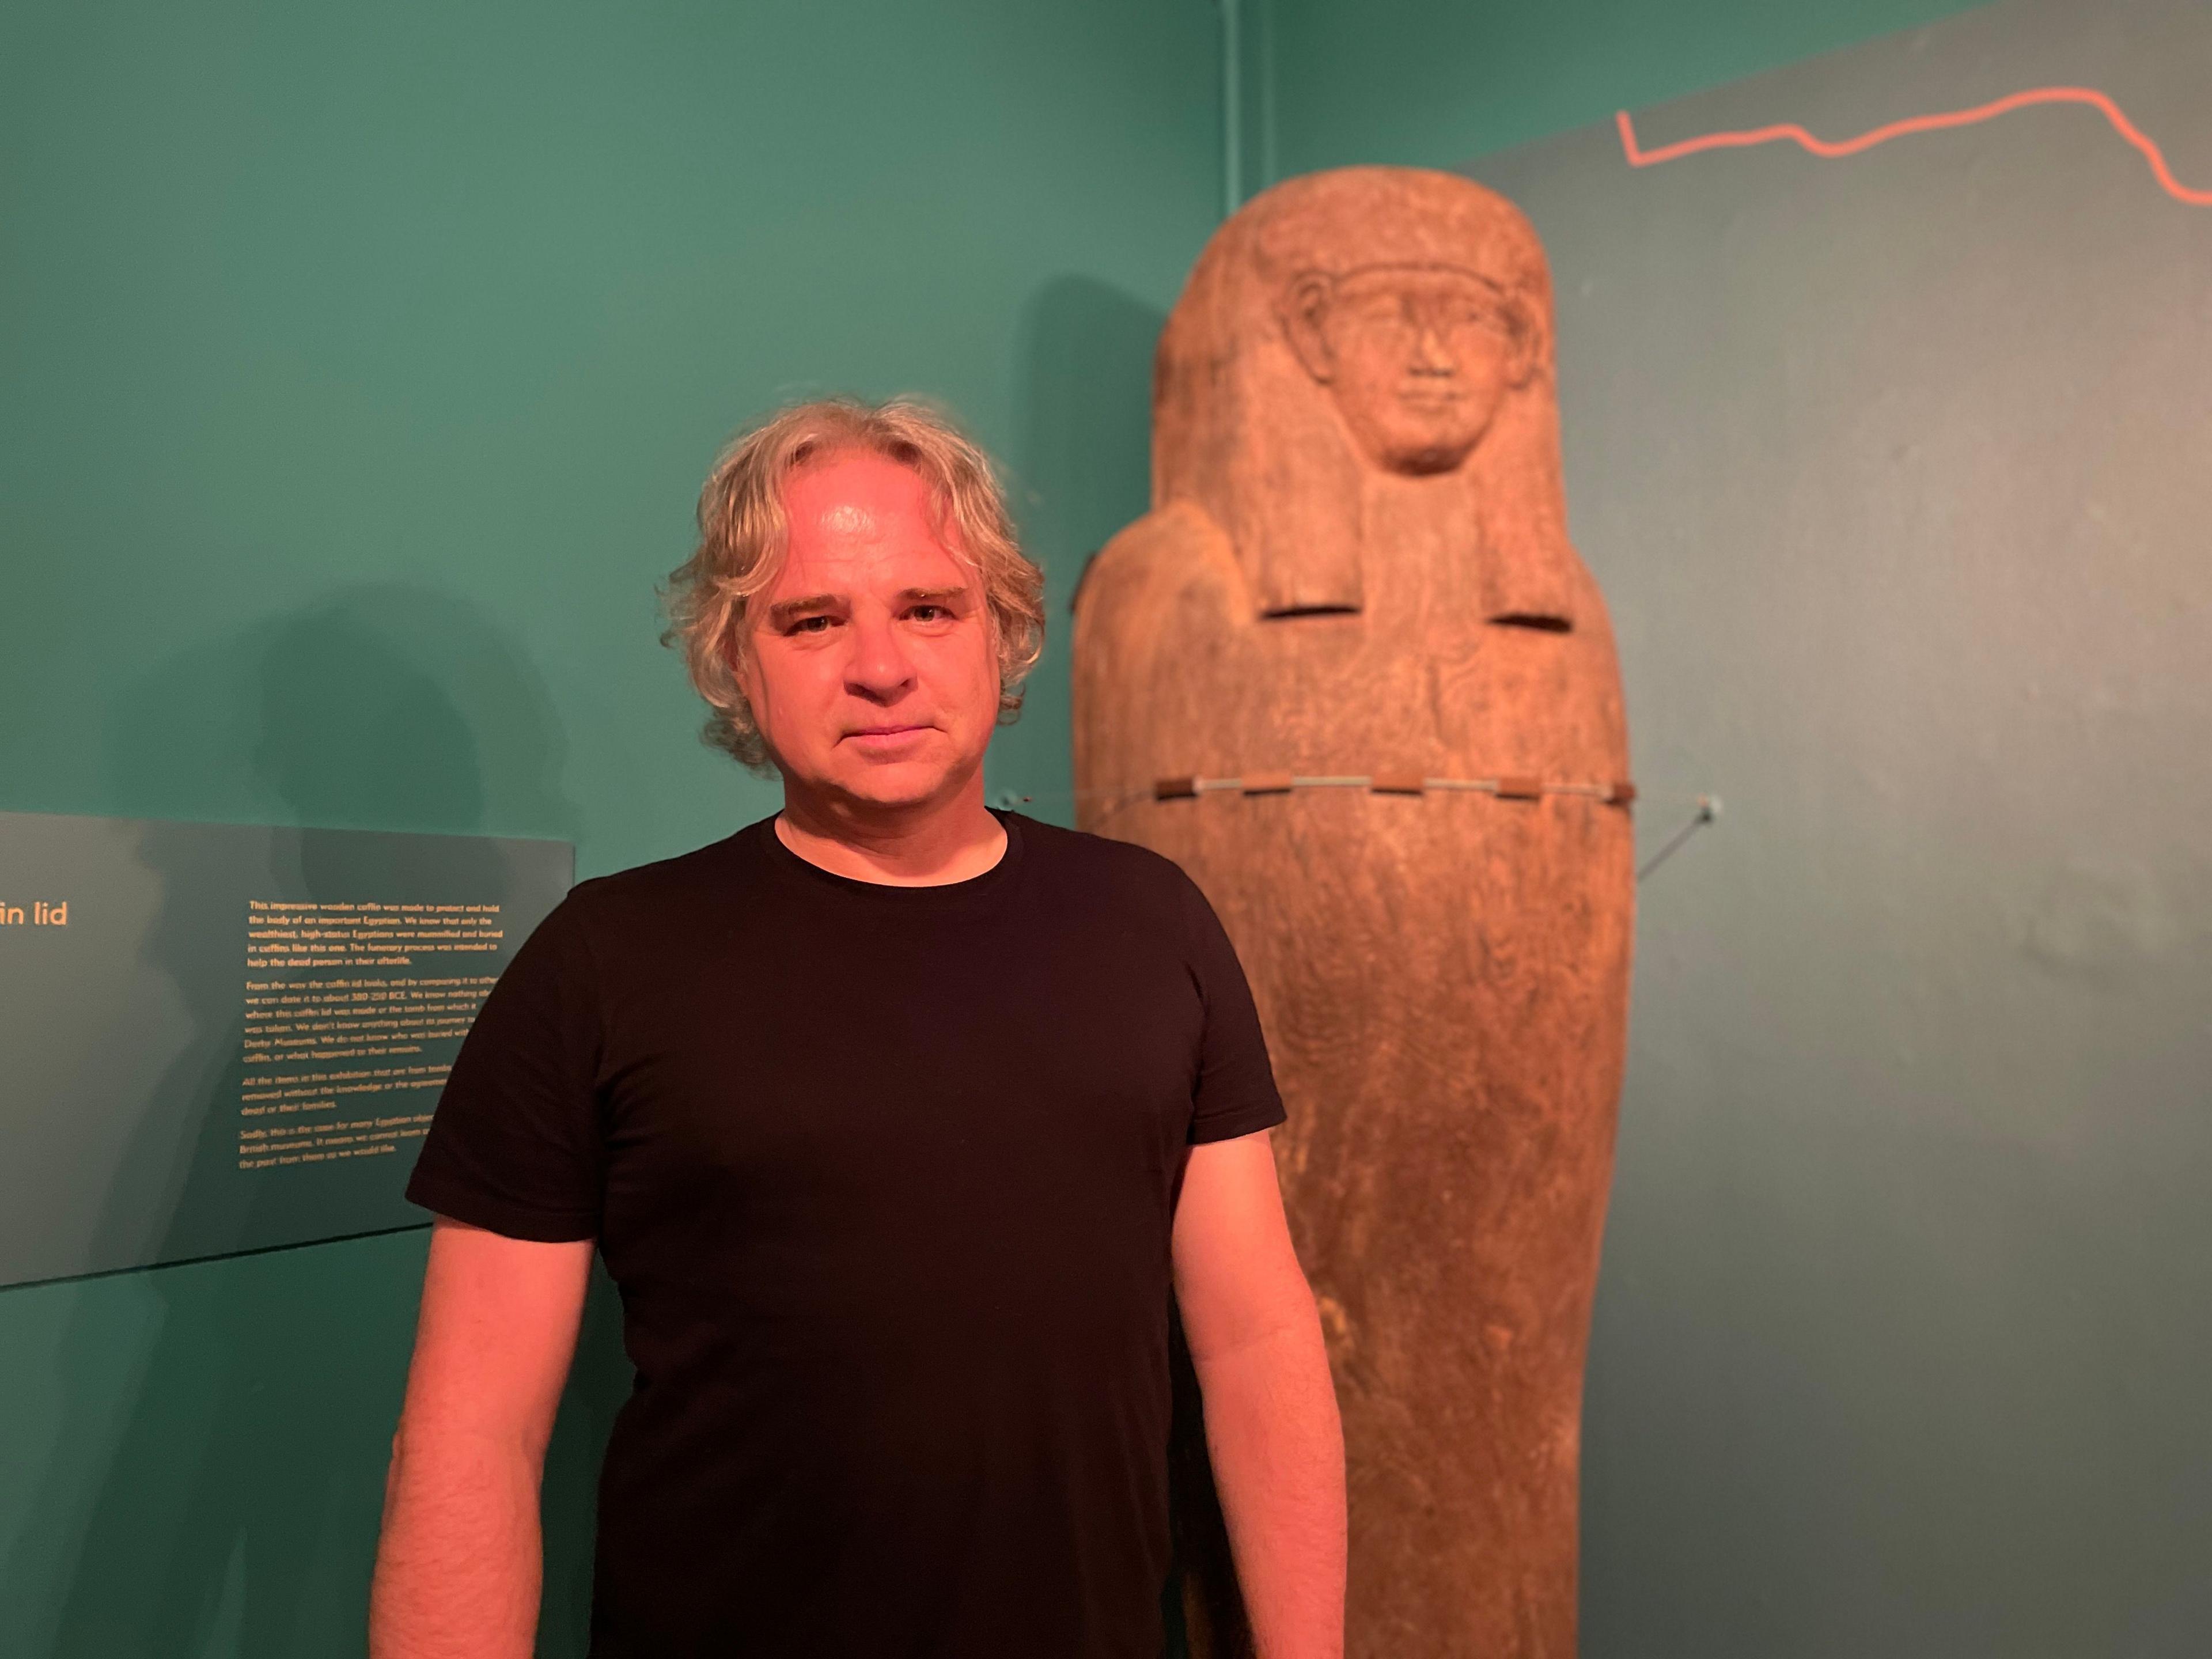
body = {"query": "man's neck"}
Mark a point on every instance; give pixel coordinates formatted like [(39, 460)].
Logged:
[(915, 846)]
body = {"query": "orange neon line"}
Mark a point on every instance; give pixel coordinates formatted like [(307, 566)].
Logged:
[(1640, 157)]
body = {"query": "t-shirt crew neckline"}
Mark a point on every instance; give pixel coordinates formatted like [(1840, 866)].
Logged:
[(789, 866)]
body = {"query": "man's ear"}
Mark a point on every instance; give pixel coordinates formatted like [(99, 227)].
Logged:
[(732, 659), (1303, 311)]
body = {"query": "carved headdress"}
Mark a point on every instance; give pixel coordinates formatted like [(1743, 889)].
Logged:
[(1247, 426)]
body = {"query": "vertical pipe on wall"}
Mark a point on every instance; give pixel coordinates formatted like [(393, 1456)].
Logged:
[(1232, 106), (1261, 71)]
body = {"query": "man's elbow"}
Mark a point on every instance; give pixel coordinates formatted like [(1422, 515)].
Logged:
[(429, 1441), (1282, 1313)]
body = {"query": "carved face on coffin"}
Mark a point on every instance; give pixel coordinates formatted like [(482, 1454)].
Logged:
[(1364, 347), (1419, 358)]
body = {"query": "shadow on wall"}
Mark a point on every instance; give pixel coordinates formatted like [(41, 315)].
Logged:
[(235, 1509), (1081, 468)]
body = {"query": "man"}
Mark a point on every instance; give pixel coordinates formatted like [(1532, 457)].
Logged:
[(893, 1117)]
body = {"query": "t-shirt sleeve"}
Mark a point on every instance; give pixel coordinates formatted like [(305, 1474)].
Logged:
[(1235, 1093), (515, 1145)]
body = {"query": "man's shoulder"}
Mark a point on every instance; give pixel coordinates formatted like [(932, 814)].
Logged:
[(1102, 861), (674, 883)]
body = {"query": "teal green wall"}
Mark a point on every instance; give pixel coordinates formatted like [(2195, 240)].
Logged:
[(1432, 82), (360, 366)]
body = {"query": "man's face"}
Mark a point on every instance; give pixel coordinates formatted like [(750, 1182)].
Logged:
[(871, 671), (1419, 357)]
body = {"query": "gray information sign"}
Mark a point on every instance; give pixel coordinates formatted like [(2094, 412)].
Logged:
[(219, 1037)]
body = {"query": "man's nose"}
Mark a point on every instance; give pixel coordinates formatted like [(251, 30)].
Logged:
[(878, 666), (1431, 355)]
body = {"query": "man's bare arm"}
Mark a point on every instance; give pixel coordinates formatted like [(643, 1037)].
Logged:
[(1271, 1417), (459, 1561)]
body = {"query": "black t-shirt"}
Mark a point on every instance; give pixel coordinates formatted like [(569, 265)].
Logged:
[(885, 1176)]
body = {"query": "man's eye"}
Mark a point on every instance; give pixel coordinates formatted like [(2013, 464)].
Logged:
[(806, 624), (935, 610)]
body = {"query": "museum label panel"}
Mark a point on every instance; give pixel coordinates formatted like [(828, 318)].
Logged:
[(225, 1037)]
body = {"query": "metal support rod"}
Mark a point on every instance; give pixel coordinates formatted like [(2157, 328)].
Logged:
[(1232, 106)]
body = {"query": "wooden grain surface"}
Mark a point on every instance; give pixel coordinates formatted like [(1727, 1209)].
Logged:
[(1329, 587)]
